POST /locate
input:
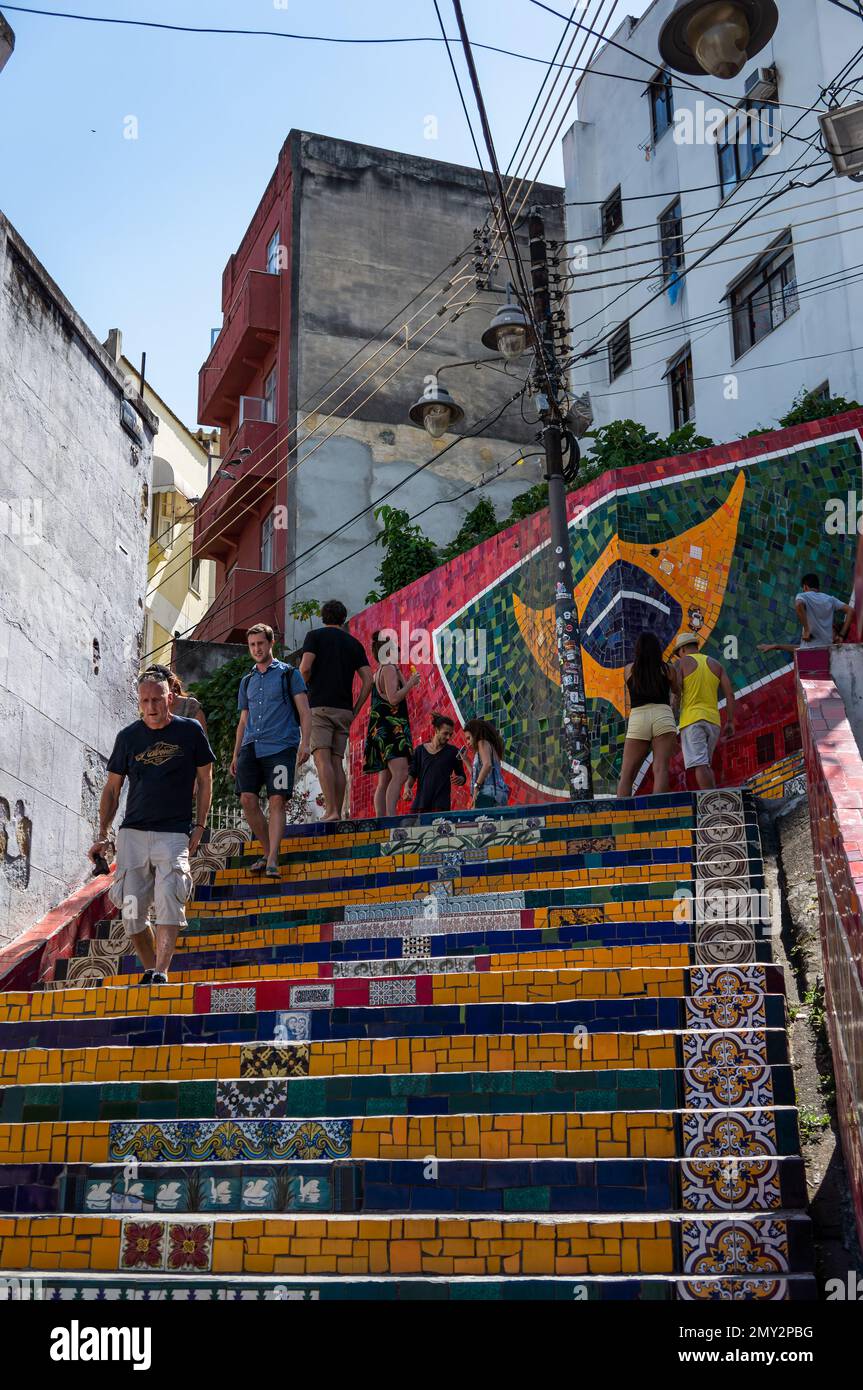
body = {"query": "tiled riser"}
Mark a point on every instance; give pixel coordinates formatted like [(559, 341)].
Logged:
[(464, 1289), (743, 987), (544, 1185), (596, 1015), (273, 1098), (512, 1246), (691, 1133), (715, 1057)]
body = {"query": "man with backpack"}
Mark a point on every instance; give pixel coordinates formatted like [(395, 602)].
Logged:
[(272, 741)]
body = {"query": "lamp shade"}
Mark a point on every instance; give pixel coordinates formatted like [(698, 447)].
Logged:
[(716, 36), (508, 332), (436, 409)]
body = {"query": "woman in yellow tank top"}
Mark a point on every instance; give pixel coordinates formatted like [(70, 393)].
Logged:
[(700, 725)]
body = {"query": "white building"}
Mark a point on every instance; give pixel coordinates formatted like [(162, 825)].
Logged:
[(660, 173), (76, 458)]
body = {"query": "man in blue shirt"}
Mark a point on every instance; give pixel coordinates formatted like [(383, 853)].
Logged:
[(272, 741)]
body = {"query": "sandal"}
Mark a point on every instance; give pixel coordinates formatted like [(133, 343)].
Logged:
[(272, 871), (258, 867)]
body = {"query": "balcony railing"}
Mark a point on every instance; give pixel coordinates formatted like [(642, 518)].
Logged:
[(247, 597), (247, 336), (238, 485)]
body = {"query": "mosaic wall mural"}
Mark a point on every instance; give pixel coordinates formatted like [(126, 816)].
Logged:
[(715, 542)]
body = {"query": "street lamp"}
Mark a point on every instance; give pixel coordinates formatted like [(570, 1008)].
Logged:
[(842, 127), (436, 408), (508, 332), (716, 36)]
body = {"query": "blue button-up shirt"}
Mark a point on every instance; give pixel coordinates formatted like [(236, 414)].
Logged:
[(272, 726)]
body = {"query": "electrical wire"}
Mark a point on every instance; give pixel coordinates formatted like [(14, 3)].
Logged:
[(738, 371), (300, 38), (482, 425)]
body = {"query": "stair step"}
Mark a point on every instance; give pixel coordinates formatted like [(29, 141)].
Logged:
[(444, 1093), (745, 985), (713, 1057), (574, 1134), (409, 1185), (439, 1245)]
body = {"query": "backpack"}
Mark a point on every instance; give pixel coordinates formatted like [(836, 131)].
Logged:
[(287, 694)]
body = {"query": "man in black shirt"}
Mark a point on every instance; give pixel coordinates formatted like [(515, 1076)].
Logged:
[(432, 767), (331, 659), (168, 761)]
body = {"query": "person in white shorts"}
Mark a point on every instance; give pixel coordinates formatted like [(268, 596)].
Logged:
[(650, 683), (168, 761)]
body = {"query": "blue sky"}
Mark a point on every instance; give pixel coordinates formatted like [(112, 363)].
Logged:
[(136, 232)]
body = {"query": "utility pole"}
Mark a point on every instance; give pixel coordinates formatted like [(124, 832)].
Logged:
[(576, 733)]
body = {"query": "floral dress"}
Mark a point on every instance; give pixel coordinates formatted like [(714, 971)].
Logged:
[(389, 734)]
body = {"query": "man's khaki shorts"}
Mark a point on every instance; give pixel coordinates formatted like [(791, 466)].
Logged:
[(647, 722), (152, 871), (330, 729), (699, 742)]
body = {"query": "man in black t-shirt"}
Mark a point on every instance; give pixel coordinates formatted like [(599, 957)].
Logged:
[(331, 659), (168, 761), (433, 766)]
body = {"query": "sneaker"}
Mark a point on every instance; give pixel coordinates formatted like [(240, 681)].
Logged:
[(147, 977), (159, 978)]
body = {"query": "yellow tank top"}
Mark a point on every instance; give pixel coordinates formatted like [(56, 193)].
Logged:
[(699, 694)]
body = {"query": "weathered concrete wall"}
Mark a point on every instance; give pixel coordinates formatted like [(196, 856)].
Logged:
[(370, 227), (74, 516), (194, 661)]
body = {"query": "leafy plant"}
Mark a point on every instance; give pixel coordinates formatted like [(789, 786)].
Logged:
[(479, 525), (408, 552), (305, 610), (811, 1123), (218, 696), (625, 442), (807, 406)]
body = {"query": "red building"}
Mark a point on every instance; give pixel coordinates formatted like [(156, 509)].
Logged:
[(344, 236)]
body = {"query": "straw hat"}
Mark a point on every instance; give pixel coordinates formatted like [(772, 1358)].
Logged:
[(685, 639)]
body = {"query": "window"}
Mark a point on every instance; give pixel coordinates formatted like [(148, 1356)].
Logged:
[(195, 575), (267, 556), (793, 739), (273, 253), (682, 389), (765, 297), (269, 411), (764, 749), (661, 104), (612, 214), (158, 522), (745, 142), (671, 240), (619, 353)]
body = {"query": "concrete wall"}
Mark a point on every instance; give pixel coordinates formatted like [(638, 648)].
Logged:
[(73, 552), (612, 144), (370, 228), (195, 661)]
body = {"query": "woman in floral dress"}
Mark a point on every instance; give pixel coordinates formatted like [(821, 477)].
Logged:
[(388, 742)]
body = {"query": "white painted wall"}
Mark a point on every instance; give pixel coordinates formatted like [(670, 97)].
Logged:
[(603, 148), (75, 571)]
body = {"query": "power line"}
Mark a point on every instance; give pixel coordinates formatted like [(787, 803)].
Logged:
[(482, 425), (724, 260), (737, 371), (301, 38)]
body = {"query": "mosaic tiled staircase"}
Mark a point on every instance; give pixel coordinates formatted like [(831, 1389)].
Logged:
[(499, 1057)]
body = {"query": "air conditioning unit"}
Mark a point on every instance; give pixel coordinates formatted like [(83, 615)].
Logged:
[(762, 85)]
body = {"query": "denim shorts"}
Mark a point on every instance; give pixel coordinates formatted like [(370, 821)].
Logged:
[(276, 770)]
